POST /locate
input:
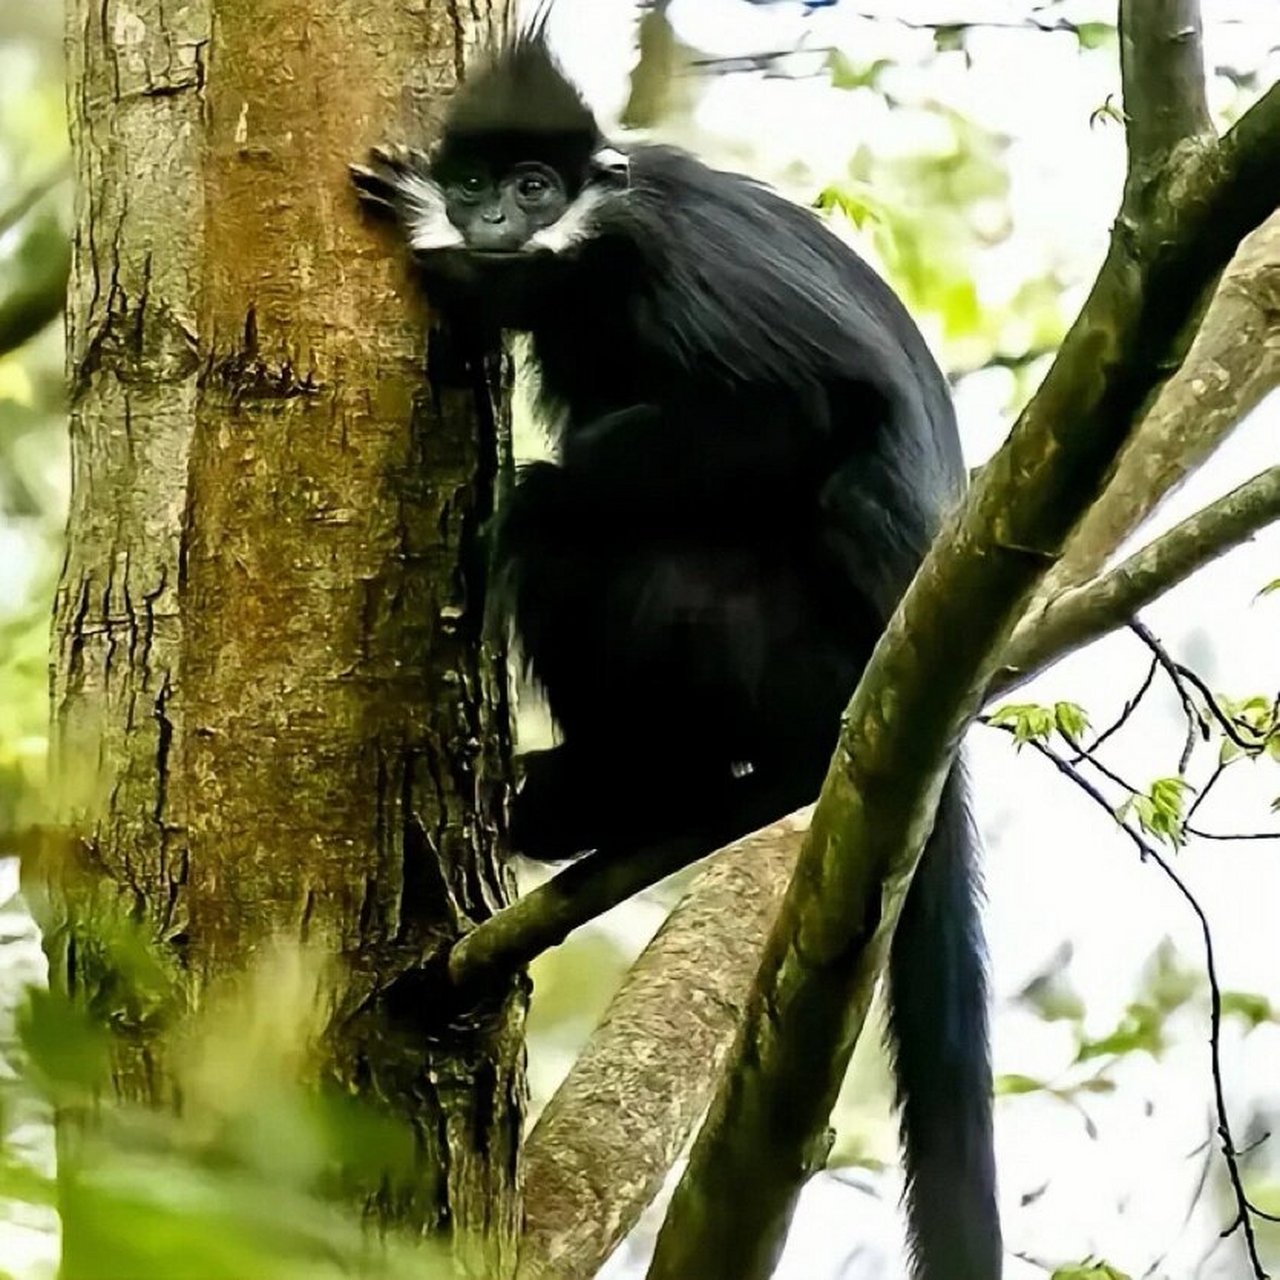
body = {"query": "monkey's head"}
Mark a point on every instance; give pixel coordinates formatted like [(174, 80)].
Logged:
[(511, 187)]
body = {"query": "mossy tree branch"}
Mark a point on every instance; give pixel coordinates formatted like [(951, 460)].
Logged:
[(545, 917), (1233, 364), (1081, 616), (927, 678), (1162, 66)]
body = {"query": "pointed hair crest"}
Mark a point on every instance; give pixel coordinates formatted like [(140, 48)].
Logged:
[(521, 89)]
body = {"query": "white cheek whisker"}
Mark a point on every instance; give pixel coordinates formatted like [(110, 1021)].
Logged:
[(426, 218), (574, 226)]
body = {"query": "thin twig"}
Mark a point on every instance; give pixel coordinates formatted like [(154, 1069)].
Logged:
[(1196, 725), (1246, 1211), (1219, 770), (1178, 673), (1123, 718), (1088, 757), (1229, 726), (1030, 24), (1230, 835)]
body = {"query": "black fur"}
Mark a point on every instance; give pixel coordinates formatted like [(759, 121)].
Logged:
[(755, 449)]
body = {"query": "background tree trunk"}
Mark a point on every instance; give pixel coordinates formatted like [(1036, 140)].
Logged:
[(272, 711)]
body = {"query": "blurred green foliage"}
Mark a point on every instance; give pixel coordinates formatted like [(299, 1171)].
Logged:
[(926, 218), (252, 1176), (34, 217)]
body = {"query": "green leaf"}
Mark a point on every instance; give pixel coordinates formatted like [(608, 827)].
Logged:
[(68, 1051), (1160, 811), (1094, 35), (960, 308), (1052, 997), (1168, 982), (1029, 721), (859, 206), (846, 74), (22, 1183), (950, 38), (1072, 720)]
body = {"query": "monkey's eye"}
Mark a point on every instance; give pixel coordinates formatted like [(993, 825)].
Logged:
[(533, 188), (471, 186)]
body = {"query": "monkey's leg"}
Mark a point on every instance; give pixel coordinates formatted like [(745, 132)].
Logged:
[(938, 1035)]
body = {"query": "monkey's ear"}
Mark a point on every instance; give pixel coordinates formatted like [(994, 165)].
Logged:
[(612, 164)]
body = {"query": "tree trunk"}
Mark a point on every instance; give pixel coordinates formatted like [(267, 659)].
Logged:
[(273, 714)]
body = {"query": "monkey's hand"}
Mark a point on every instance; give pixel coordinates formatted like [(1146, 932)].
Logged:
[(385, 185)]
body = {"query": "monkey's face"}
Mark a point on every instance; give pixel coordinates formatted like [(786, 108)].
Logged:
[(501, 211), (496, 222)]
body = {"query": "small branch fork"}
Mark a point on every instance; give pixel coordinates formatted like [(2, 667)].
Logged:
[(1251, 742)]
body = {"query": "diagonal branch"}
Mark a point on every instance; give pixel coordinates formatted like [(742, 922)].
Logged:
[(546, 916), (1082, 615), (1233, 364)]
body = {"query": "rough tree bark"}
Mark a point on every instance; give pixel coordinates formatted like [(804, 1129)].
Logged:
[(272, 711)]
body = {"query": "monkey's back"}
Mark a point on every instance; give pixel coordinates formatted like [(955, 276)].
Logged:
[(734, 311)]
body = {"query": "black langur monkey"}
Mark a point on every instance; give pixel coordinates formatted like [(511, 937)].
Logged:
[(754, 450)]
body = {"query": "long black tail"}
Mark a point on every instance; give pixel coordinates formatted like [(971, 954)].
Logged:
[(938, 1036)]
